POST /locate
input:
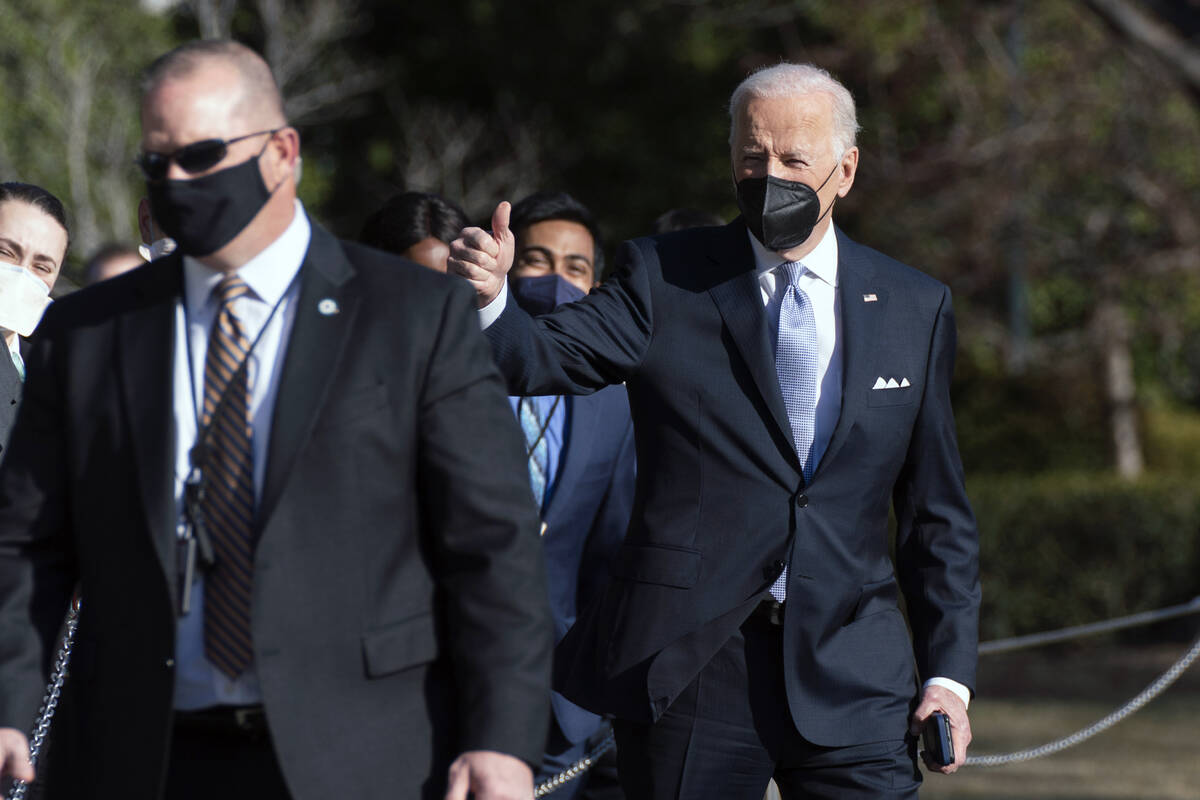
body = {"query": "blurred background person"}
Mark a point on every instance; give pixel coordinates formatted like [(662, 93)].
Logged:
[(557, 235), (678, 219), (111, 260), (33, 242), (155, 243), (416, 225)]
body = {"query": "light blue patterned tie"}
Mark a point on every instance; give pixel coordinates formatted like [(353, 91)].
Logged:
[(796, 367), (534, 426)]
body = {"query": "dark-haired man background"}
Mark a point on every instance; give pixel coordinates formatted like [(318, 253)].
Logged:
[(557, 235), (581, 463), (579, 449), (319, 430)]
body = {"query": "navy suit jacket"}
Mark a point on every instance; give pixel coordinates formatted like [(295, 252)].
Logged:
[(721, 501), (586, 515)]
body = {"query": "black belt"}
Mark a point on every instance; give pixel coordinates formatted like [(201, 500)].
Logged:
[(246, 720), (769, 610)]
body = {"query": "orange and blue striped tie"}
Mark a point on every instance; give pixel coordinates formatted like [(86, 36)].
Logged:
[(229, 490)]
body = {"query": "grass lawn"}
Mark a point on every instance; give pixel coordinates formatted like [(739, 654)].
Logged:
[(1029, 698)]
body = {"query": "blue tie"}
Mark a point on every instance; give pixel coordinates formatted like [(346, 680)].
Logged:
[(534, 425), (796, 367)]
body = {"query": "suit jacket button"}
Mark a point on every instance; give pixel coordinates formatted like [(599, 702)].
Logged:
[(773, 570), (169, 663), (801, 501)]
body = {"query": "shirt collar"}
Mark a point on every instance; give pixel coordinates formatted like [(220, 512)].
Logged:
[(268, 274), (821, 262)]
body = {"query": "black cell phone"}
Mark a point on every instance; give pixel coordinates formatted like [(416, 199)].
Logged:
[(939, 744)]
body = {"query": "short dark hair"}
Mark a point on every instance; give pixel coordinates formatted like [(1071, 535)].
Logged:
[(546, 206), (411, 217), (678, 219), (40, 199)]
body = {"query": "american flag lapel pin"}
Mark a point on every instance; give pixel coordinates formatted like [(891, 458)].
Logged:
[(870, 298)]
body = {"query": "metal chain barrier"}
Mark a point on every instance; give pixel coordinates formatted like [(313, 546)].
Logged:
[(1145, 696), (575, 770), (58, 677)]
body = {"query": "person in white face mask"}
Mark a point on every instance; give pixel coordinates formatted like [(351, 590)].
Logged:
[(33, 244)]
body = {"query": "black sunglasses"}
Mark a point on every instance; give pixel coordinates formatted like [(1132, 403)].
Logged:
[(191, 158)]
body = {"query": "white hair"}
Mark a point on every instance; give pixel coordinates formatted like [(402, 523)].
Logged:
[(794, 80)]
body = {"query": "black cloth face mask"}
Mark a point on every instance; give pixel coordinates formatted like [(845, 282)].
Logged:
[(781, 214), (541, 294), (204, 214)]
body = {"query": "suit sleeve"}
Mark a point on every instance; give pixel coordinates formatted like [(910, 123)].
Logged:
[(937, 546), (477, 506), (37, 564), (582, 346)]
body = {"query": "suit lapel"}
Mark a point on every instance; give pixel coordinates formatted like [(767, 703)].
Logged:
[(860, 322), (739, 299), (314, 349), (146, 354)]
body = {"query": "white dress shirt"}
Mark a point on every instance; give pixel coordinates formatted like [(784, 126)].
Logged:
[(271, 276)]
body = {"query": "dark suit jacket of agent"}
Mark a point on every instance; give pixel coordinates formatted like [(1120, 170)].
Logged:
[(721, 500), (399, 610), (586, 516)]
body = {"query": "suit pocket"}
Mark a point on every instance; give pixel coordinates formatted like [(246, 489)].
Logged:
[(900, 396), (399, 646), (875, 598), (669, 566)]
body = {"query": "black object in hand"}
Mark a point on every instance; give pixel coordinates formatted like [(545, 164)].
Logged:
[(939, 744)]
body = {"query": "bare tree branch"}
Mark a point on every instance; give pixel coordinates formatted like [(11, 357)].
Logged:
[(1182, 57)]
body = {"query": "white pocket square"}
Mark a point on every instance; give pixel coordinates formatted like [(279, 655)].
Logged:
[(891, 383)]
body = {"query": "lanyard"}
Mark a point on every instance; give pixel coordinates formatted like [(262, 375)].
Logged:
[(545, 425), (203, 432), (194, 548)]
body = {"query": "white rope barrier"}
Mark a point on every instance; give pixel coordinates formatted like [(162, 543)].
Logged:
[(1149, 693), (1078, 631)]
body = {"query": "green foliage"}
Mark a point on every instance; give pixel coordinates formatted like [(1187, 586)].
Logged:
[(68, 85), (1070, 548)]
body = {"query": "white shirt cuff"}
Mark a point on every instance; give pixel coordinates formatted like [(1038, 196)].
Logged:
[(963, 692), (492, 311)]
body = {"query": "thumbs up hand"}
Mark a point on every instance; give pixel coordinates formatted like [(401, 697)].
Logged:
[(485, 257)]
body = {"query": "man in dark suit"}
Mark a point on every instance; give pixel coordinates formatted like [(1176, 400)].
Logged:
[(33, 243), (580, 449), (787, 385), (581, 464), (367, 614)]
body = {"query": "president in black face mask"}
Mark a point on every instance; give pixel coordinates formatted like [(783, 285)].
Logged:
[(788, 388)]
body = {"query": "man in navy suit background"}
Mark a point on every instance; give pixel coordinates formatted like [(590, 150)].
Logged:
[(580, 450), (788, 386), (587, 459)]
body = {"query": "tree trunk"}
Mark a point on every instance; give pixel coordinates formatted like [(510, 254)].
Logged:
[(1120, 388)]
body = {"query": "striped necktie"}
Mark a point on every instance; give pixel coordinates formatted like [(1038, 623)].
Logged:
[(229, 492), (534, 425), (796, 367)]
